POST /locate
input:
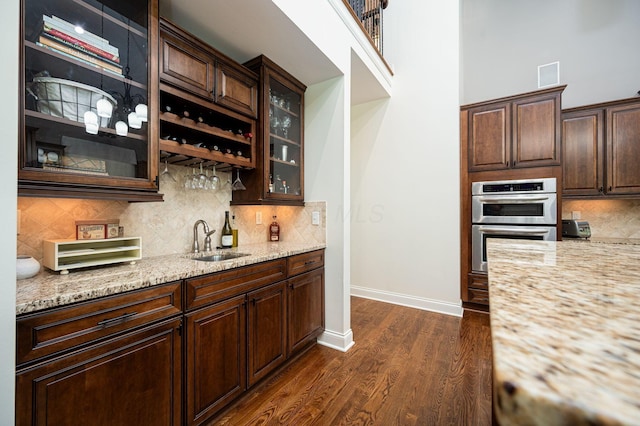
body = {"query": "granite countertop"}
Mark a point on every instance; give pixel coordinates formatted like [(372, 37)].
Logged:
[(565, 325), (50, 289)]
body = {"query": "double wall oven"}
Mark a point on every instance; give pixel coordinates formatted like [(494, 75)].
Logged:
[(517, 209)]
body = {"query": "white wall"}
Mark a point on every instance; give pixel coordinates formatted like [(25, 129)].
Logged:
[(596, 42), (9, 21), (405, 166)]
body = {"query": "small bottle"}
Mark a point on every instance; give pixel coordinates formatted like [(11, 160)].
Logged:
[(226, 239), (234, 231), (274, 230), (270, 183)]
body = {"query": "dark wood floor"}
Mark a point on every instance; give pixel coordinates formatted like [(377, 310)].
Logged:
[(408, 367)]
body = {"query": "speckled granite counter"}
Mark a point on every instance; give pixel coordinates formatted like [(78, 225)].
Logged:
[(49, 289), (565, 323)]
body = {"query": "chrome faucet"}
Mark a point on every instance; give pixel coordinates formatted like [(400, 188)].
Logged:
[(207, 238)]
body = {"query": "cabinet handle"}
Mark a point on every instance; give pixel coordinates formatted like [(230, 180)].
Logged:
[(309, 262), (507, 163), (610, 188), (601, 190), (110, 321)]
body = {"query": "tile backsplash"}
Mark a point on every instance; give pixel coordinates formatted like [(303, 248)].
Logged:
[(165, 227), (614, 218)]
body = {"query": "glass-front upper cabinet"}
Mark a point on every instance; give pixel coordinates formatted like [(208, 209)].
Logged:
[(90, 99), (279, 174)]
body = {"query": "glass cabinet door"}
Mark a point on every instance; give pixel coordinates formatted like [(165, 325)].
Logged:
[(87, 98), (285, 140)]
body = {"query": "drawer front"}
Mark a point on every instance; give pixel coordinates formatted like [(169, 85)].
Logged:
[(212, 288), (478, 296), (479, 281), (43, 334), (305, 262)]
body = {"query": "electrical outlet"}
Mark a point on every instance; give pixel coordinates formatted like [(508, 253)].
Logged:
[(258, 218), (575, 215), (315, 218)]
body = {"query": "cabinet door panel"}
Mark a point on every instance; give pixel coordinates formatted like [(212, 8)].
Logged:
[(134, 379), (186, 67), (536, 137), (306, 308), (267, 330), (490, 147), (583, 153), (623, 145), (216, 358), (236, 91)]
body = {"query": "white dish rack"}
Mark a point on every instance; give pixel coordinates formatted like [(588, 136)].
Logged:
[(63, 255)]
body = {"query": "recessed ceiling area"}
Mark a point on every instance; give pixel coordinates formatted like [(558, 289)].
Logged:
[(244, 29)]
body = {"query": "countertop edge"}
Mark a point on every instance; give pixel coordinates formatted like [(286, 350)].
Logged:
[(49, 290)]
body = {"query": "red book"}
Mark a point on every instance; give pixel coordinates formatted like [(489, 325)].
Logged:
[(91, 48)]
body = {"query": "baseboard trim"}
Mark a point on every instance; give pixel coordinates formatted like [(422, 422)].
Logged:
[(409, 301), (339, 341)]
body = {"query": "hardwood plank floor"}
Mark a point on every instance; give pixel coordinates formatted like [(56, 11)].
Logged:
[(408, 367)]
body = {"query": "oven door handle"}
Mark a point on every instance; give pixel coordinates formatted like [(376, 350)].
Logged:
[(513, 231), (506, 200)]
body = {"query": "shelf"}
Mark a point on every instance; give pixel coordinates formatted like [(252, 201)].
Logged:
[(282, 139), (286, 111), (189, 155), (286, 163), (62, 255), (46, 63), (203, 128), (59, 120)]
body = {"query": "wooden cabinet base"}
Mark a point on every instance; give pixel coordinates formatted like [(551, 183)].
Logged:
[(134, 379)]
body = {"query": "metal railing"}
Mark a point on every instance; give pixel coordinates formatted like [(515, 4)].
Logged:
[(369, 12)]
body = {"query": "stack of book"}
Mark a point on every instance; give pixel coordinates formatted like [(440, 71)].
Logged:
[(62, 37)]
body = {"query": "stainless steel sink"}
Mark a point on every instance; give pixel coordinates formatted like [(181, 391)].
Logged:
[(218, 257)]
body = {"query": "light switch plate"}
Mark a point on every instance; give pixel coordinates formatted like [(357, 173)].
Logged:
[(315, 218), (258, 218)]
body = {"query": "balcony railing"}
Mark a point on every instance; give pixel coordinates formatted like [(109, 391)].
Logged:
[(369, 13)]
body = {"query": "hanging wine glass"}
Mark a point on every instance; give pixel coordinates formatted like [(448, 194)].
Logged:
[(189, 178), (165, 172), (200, 179), (214, 180), (237, 184)]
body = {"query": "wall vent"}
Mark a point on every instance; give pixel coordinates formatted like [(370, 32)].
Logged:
[(548, 75)]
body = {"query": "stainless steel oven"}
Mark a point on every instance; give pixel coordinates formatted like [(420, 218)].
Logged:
[(517, 209)]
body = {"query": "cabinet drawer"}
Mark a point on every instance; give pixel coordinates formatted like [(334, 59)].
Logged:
[(46, 333), (301, 263), (478, 296), (208, 289), (479, 281)]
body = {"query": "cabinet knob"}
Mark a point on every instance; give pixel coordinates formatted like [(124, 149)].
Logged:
[(610, 188), (601, 190)]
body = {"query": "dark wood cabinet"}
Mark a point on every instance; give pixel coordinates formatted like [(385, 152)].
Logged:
[(113, 360), (279, 174), (515, 132), (68, 145), (305, 302), (129, 380), (583, 152), (208, 104), (216, 357), (602, 150), (267, 330), (192, 65), (169, 354), (623, 149)]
